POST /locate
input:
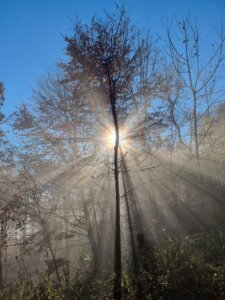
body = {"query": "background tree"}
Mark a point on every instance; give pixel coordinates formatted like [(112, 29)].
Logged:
[(199, 77)]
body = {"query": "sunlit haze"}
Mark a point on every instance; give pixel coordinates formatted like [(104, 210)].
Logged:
[(112, 150)]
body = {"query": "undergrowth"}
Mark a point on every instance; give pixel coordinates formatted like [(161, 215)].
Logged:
[(189, 267)]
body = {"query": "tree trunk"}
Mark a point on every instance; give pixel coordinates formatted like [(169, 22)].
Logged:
[(195, 121), (1, 273), (92, 241), (132, 240), (47, 239), (3, 235), (117, 262)]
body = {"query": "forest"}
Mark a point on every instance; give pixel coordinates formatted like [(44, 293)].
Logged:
[(113, 184)]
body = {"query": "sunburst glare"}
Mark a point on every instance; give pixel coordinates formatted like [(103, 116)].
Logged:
[(111, 138)]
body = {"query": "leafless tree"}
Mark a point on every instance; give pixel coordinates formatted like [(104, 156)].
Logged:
[(199, 76)]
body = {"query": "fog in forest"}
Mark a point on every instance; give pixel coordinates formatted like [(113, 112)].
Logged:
[(113, 175)]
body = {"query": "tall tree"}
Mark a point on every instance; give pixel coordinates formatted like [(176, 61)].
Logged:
[(110, 59)]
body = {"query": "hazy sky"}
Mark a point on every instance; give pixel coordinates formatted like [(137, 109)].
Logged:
[(31, 33)]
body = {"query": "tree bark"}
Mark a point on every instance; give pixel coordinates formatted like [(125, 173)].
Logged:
[(195, 126), (117, 261), (92, 241), (3, 235), (1, 273)]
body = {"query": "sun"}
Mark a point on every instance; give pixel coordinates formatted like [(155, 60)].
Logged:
[(111, 138)]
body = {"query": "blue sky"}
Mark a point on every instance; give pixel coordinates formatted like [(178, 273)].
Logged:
[(31, 33)]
